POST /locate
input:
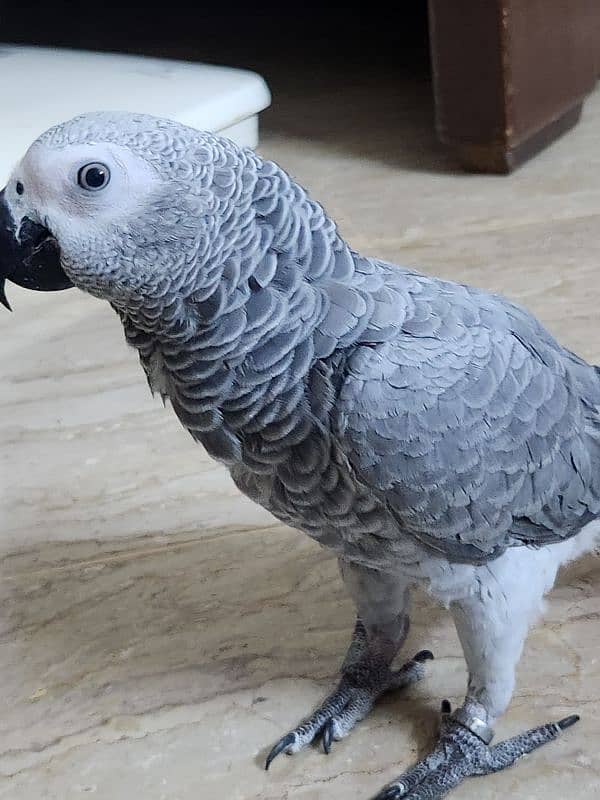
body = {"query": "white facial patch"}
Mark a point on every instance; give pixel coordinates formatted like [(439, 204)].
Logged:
[(50, 185)]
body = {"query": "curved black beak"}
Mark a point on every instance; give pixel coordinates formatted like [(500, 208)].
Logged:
[(29, 255)]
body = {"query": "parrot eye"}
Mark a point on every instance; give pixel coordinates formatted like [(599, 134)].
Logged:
[(93, 177), (19, 188)]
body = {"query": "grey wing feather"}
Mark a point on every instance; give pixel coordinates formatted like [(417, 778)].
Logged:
[(477, 429)]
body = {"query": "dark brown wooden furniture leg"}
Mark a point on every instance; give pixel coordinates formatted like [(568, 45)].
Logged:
[(510, 76)]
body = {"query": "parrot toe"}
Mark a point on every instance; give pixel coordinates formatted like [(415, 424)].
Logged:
[(461, 754), (348, 704), (285, 743)]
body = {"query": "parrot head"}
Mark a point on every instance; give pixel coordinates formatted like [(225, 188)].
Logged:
[(124, 206)]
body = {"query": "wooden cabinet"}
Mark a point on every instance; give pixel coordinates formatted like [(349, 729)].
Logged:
[(510, 75)]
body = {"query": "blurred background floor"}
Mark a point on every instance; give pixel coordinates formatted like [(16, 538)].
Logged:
[(158, 632)]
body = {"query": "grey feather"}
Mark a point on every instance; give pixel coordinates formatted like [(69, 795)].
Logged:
[(366, 403)]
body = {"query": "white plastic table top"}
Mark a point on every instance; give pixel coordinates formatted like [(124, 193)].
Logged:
[(42, 86)]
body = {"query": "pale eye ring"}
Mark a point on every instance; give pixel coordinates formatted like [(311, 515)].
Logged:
[(93, 177)]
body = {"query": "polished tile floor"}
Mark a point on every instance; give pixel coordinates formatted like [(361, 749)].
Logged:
[(158, 632)]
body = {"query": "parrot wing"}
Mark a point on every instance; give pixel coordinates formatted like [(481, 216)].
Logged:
[(476, 428)]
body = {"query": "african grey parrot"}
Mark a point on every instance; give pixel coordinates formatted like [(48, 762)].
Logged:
[(427, 432)]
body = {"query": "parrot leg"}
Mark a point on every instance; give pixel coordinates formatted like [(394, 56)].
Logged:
[(380, 631), (461, 754), (492, 626)]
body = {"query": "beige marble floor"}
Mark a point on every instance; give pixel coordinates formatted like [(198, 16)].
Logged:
[(158, 632)]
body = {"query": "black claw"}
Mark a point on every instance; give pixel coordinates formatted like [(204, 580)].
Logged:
[(3, 298), (567, 722), (446, 707), (327, 736), (424, 655), (281, 745)]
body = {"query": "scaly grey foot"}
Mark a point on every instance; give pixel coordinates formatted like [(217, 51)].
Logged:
[(461, 753), (353, 699)]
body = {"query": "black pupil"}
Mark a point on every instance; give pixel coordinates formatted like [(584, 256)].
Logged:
[(19, 187), (95, 177)]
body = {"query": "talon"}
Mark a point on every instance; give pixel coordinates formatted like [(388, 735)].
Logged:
[(424, 655), (281, 745), (327, 736), (567, 722), (446, 707)]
